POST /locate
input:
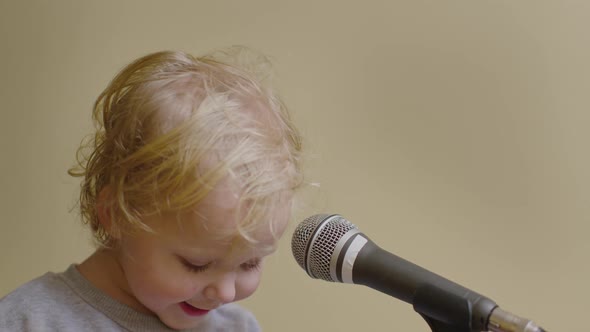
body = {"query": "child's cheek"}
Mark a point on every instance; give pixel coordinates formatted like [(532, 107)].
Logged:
[(247, 285), (178, 288), (160, 291)]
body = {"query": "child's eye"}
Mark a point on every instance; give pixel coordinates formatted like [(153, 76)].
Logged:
[(251, 265), (194, 268)]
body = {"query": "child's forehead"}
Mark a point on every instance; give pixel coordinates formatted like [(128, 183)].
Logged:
[(217, 218), (225, 228), (223, 198), (206, 236)]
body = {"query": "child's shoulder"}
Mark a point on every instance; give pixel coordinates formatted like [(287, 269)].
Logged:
[(49, 302), (36, 297), (45, 286)]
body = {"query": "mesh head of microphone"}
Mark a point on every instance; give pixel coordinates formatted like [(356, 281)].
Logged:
[(314, 241)]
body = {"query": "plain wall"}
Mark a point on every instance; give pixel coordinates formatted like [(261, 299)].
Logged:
[(453, 133)]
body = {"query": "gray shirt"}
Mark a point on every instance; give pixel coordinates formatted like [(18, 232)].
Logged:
[(68, 302)]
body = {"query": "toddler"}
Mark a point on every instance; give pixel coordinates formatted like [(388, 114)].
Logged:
[(187, 186)]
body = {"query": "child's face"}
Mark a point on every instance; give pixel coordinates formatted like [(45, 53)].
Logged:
[(187, 267)]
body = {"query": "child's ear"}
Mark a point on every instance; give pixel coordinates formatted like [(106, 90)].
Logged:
[(105, 211)]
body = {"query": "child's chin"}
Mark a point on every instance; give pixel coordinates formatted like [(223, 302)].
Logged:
[(183, 323)]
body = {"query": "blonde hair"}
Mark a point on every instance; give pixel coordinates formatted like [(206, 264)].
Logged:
[(169, 126)]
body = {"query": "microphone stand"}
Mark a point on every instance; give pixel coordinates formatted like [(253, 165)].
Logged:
[(448, 312)]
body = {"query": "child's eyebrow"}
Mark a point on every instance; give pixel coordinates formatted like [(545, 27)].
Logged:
[(261, 249), (266, 250)]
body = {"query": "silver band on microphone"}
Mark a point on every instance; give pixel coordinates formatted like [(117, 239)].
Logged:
[(336, 255)]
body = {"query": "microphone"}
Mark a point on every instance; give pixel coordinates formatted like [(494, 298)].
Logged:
[(331, 248)]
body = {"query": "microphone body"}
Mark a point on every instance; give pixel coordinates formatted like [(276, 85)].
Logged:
[(430, 294), (329, 247)]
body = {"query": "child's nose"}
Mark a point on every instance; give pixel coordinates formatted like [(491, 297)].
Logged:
[(223, 289)]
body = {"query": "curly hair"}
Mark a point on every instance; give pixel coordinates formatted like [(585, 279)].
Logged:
[(170, 125)]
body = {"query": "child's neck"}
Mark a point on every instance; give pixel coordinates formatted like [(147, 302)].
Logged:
[(102, 270)]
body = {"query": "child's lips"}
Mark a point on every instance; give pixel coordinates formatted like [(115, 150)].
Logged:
[(192, 311)]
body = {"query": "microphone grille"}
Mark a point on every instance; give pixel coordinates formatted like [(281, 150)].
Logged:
[(314, 242)]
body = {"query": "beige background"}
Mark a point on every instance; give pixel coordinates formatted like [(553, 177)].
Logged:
[(454, 133)]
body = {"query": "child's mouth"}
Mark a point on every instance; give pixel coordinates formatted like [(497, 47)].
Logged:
[(192, 311)]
